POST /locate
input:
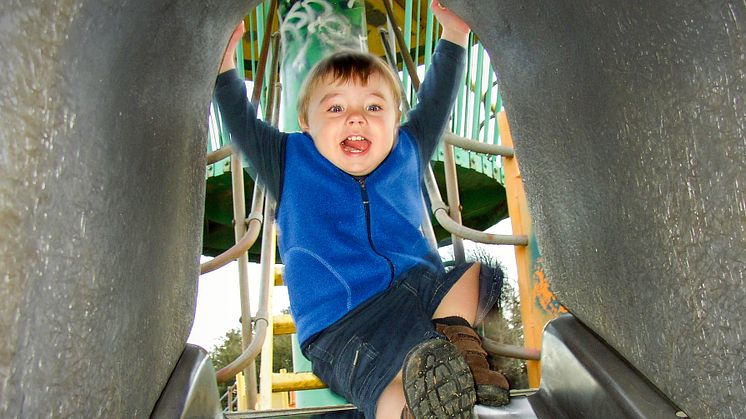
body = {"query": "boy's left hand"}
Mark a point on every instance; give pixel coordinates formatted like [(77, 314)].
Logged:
[(229, 55), (454, 28)]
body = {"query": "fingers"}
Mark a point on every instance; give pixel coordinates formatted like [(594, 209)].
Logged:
[(229, 54), (238, 33)]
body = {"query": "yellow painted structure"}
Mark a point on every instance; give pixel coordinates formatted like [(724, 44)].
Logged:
[(538, 303), (283, 325), (293, 381)]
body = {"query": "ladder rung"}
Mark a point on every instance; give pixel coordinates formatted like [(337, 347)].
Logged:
[(295, 381), (279, 269), (283, 324)]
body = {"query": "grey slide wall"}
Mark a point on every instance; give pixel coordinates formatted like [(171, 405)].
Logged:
[(629, 124), (628, 119), (104, 120)]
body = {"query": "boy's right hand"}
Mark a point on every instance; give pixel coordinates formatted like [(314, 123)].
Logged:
[(230, 51)]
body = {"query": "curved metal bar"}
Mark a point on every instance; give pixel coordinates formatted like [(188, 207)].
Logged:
[(259, 76), (454, 201), (260, 331), (477, 236), (411, 68), (510, 351), (219, 154), (477, 146), (254, 222), (440, 210), (271, 108)]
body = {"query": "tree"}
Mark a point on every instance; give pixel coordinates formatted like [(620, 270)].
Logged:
[(503, 323), (230, 348), (224, 353)]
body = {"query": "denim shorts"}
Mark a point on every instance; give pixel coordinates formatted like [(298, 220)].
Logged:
[(359, 355)]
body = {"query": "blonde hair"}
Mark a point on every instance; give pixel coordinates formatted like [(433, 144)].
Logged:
[(345, 66)]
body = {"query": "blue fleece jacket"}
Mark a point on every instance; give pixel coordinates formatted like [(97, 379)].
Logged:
[(345, 239)]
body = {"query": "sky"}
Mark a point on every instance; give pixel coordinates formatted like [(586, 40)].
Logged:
[(219, 308)]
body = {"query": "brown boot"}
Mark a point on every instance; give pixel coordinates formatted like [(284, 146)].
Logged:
[(492, 387), (437, 382)]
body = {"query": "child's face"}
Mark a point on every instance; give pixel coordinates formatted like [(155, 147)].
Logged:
[(353, 125)]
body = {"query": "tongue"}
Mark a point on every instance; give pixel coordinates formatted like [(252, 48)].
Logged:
[(355, 146)]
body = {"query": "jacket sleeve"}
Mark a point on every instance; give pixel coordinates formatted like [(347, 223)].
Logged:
[(261, 144), (428, 119)]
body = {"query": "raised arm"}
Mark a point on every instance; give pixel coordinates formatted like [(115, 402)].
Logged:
[(454, 28), (438, 91), (261, 144)]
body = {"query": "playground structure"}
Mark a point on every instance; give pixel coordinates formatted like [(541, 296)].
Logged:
[(628, 120)]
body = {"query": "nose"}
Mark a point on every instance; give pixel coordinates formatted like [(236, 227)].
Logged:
[(355, 118)]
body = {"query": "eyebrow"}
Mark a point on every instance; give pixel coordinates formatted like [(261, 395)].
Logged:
[(329, 95)]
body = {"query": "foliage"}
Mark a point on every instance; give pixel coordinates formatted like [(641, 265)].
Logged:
[(503, 324), (224, 353), (230, 348)]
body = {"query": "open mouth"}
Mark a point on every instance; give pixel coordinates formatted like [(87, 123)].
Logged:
[(355, 144)]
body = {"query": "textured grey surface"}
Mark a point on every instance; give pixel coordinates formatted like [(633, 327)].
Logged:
[(629, 122), (628, 119), (103, 107)]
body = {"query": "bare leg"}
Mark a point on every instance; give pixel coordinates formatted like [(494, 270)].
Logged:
[(391, 402), (463, 301), (463, 298)]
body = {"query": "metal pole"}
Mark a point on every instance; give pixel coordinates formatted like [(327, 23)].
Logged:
[(239, 229), (454, 201), (403, 48)]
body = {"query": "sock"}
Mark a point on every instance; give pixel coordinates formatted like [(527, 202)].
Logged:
[(452, 321)]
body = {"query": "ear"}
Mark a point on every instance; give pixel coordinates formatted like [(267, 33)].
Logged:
[(302, 123)]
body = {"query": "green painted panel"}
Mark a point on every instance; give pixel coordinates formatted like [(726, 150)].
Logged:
[(310, 30)]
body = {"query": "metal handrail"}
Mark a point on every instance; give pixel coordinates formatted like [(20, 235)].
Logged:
[(259, 76), (252, 233), (510, 351), (273, 109), (219, 154), (440, 210), (267, 260), (454, 202), (402, 47), (261, 319), (254, 225), (476, 146)]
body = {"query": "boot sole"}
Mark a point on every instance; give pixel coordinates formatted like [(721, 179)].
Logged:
[(491, 395), (437, 382)]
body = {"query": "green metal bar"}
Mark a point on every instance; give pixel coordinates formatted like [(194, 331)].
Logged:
[(406, 57), (462, 103), (406, 72), (252, 39), (488, 161), (259, 76), (270, 7), (429, 39), (477, 94), (498, 173), (413, 99), (260, 79), (488, 108), (239, 60)]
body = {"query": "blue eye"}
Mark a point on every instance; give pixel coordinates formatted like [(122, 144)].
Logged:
[(374, 108), (335, 108)]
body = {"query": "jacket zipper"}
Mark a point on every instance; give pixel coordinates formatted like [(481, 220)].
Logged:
[(366, 205)]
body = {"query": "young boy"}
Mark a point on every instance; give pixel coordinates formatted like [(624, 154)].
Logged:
[(373, 306)]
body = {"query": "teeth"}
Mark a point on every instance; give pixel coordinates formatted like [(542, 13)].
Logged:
[(355, 138)]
